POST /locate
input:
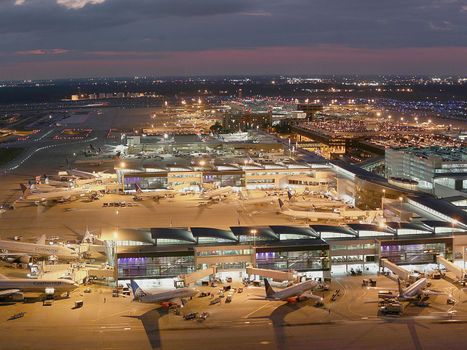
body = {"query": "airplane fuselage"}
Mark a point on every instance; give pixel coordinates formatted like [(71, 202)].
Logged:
[(34, 249), (40, 286), (293, 291), (166, 296)]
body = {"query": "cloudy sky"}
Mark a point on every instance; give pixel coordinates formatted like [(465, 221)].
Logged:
[(83, 38)]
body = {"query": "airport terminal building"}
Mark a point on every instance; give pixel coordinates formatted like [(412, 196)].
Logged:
[(314, 250)]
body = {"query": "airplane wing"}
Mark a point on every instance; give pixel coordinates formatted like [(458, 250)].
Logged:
[(176, 301), (7, 292), (433, 292), (13, 254), (310, 295)]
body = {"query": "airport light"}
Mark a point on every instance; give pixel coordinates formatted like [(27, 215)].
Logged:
[(166, 136), (202, 162), (122, 165)]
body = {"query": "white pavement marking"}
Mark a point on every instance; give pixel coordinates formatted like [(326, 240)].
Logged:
[(254, 311)]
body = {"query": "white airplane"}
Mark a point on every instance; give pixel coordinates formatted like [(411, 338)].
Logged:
[(415, 292), (355, 213), (58, 195), (88, 175), (157, 194), (164, 297), (43, 188), (17, 286), (309, 215), (24, 251), (296, 292), (257, 200), (55, 183), (312, 203), (218, 193)]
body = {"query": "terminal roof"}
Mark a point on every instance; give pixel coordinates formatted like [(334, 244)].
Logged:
[(332, 229), (182, 234), (369, 227), (258, 231), (213, 233), (294, 230)]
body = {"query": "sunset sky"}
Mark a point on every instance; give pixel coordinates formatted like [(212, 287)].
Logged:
[(84, 38)]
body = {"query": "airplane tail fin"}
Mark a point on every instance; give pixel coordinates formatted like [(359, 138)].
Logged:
[(137, 291), (138, 188), (289, 195), (26, 191), (281, 204), (88, 236), (269, 291), (41, 240)]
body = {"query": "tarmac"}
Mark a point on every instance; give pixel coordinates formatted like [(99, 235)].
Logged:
[(248, 322)]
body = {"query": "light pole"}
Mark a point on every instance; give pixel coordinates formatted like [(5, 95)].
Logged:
[(400, 209), (254, 232), (383, 197)]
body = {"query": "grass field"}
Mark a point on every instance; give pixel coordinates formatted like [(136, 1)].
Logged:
[(8, 154)]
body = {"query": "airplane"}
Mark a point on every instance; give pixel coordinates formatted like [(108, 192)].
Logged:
[(44, 188), (257, 200), (218, 193), (157, 194), (58, 196), (313, 202), (164, 297), (88, 175), (416, 292), (297, 292), (55, 183), (309, 215), (17, 286), (24, 251)]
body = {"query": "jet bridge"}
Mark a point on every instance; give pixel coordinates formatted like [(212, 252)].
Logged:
[(402, 273), (278, 276), (458, 271), (198, 275)]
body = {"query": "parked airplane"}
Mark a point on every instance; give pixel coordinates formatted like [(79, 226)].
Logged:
[(24, 251), (257, 200), (312, 203), (414, 293), (58, 195), (309, 215), (88, 175), (17, 286), (164, 297), (156, 194), (218, 193), (296, 292)]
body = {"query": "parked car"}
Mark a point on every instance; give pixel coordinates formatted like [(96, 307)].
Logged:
[(203, 316), (190, 316)]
